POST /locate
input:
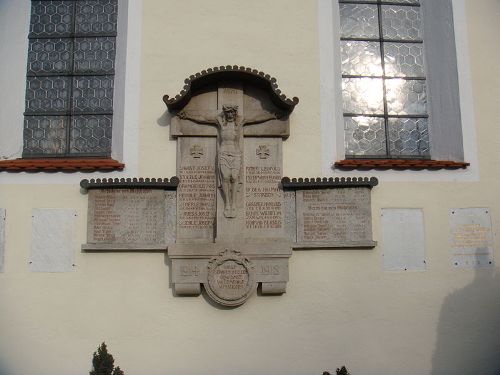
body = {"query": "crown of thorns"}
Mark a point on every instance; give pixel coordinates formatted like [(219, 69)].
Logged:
[(228, 108)]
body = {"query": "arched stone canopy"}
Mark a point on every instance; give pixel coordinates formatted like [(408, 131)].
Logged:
[(230, 73)]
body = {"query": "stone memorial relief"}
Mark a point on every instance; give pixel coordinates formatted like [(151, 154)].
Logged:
[(130, 215), (230, 123), (329, 213), (229, 219), (196, 194)]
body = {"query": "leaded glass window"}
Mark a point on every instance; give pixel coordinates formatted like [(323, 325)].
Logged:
[(70, 77), (383, 79)]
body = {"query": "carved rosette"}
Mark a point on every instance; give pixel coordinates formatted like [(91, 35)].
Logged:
[(231, 279)]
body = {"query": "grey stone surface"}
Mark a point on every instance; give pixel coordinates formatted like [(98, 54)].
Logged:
[(202, 102), (53, 240), (230, 280), (266, 262), (196, 194), (257, 100), (290, 216), (230, 141), (207, 101), (128, 219), (2, 239), (170, 216), (334, 218), (264, 202)]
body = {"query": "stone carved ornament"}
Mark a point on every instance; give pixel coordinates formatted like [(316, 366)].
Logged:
[(230, 122), (229, 151)]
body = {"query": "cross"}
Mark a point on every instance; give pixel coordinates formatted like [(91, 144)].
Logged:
[(262, 152), (196, 151)]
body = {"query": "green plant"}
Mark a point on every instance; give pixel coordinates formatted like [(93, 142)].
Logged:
[(339, 371), (103, 362)]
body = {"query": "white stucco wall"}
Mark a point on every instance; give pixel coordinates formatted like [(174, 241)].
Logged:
[(341, 307)]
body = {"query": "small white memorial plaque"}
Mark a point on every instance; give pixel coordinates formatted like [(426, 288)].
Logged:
[(471, 238), (53, 240), (404, 239)]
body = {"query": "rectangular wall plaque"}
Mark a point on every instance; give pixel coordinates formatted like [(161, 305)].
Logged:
[(129, 219), (337, 217), (471, 238), (196, 194), (264, 204), (53, 240), (2, 239), (404, 239)]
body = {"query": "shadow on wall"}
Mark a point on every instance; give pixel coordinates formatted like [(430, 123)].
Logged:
[(468, 332)]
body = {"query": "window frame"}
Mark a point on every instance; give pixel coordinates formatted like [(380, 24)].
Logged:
[(73, 75), (385, 114), (458, 148), (15, 17)]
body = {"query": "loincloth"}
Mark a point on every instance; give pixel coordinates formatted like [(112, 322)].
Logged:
[(231, 160)]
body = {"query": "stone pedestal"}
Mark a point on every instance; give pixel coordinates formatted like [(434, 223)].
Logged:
[(230, 269)]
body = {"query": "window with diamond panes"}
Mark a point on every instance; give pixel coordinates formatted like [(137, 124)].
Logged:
[(383, 79), (70, 76)]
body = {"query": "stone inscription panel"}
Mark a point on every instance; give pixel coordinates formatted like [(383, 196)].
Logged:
[(336, 216), (134, 217), (471, 238), (196, 193), (264, 200), (230, 279)]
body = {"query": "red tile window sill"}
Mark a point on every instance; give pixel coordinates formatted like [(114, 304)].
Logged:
[(399, 164), (60, 165)]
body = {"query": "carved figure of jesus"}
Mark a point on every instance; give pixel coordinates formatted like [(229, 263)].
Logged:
[(229, 151)]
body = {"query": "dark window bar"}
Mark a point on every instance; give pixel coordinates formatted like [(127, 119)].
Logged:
[(71, 84), (385, 77), (65, 1), (69, 113), (380, 115), (375, 2), (73, 155), (380, 40), (384, 92), (55, 74), (72, 35)]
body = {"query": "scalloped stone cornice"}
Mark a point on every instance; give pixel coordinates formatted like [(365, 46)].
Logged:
[(230, 72)]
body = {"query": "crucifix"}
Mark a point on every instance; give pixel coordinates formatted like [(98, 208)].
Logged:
[(230, 236), (229, 125), (225, 119)]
